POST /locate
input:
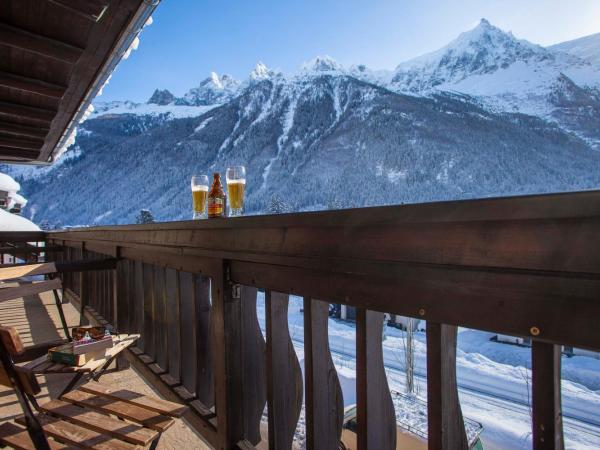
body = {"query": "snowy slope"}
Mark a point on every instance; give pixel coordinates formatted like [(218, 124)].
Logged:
[(587, 47), (13, 222), (149, 109)]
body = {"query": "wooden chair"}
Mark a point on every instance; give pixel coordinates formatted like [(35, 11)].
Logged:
[(25, 288), (93, 416)]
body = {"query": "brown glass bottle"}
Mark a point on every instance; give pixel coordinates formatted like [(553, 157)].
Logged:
[(216, 198)]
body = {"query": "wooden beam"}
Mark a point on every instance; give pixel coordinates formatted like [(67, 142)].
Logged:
[(34, 85), (20, 143), (23, 130), (26, 112), (30, 249), (546, 396), (113, 31), (40, 45), (22, 236), (20, 154), (90, 9)]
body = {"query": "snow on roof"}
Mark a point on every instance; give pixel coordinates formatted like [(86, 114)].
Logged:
[(8, 184), (12, 222), (18, 198)]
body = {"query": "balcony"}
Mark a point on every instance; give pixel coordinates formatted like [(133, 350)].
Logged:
[(520, 266)]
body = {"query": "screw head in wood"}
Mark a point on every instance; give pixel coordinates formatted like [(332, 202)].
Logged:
[(422, 311), (535, 331)]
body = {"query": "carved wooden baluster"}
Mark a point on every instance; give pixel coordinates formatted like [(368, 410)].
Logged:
[(148, 277), (324, 401), (376, 418), (205, 389), (546, 405), (188, 333), (160, 318), (253, 365), (173, 323), (284, 377), (446, 428)]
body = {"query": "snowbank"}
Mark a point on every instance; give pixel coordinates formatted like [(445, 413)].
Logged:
[(8, 184), (18, 198), (12, 222)]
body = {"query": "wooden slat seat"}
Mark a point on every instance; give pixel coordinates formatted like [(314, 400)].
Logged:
[(152, 403), (17, 437), (126, 431), (76, 435), (138, 414)]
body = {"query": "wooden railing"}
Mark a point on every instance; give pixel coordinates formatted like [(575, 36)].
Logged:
[(25, 246), (527, 266)]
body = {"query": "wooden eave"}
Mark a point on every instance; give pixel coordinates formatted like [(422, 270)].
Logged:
[(55, 55)]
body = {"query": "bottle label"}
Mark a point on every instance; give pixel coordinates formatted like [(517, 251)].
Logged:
[(215, 206)]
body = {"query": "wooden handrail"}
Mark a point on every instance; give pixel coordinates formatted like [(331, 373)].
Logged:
[(525, 266)]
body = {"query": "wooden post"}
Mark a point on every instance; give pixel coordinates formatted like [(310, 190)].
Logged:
[(121, 299), (546, 407), (227, 359), (84, 290), (446, 428)]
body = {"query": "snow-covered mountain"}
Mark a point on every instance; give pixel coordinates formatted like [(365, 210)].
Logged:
[(486, 115), (213, 90), (511, 75), (587, 47)]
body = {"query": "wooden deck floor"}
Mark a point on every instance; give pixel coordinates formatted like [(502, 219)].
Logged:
[(37, 320)]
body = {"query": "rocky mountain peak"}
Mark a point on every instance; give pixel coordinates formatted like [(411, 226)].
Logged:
[(322, 64), (161, 97), (481, 50), (261, 72), (212, 90)]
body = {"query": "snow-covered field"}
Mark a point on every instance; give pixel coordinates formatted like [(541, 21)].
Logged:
[(493, 380)]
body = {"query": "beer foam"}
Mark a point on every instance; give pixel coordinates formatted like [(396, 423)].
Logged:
[(199, 188), (236, 181)]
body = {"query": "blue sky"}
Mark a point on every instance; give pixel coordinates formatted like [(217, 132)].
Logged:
[(190, 38)]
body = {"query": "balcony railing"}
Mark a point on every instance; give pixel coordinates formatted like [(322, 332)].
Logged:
[(524, 266)]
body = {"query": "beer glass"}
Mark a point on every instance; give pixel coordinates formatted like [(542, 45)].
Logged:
[(199, 194), (236, 185)]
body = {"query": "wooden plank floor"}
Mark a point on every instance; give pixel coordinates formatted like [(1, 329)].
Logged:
[(36, 319)]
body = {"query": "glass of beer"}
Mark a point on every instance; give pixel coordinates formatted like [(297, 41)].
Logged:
[(236, 185), (199, 194)]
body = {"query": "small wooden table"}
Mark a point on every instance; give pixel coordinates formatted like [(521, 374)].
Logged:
[(94, 368)]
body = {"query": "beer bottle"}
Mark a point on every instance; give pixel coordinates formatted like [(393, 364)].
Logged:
[(216, 198)]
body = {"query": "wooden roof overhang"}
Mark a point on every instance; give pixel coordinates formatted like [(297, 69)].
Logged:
[(55, 55)]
